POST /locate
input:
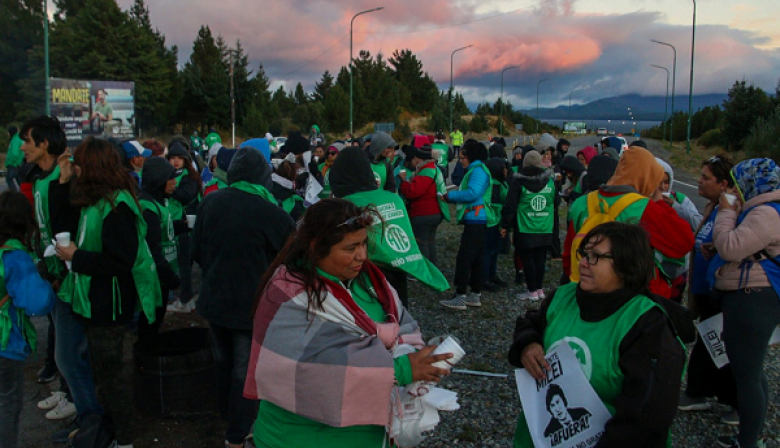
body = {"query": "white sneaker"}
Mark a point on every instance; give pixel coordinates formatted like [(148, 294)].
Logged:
[(50, 403), (178, 307), (540, 293), (528, 295), (63, 410)]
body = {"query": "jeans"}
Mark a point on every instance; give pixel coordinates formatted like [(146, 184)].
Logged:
[(749, 318), (112, 377), (493, 242), (231, 361), (184, 247), (704, 378), (471, 254), (424, 228), (12, 177), (11, 399), (73, 359), (534, 259)]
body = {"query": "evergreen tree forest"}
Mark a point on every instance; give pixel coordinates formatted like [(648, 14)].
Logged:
[(95, 39)]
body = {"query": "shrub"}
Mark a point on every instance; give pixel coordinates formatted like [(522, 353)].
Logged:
[(713, 137), (764, 137)]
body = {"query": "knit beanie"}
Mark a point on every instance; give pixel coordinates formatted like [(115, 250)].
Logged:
[(533, 159)]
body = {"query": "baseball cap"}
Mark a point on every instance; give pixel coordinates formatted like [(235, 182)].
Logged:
[(132, 149)]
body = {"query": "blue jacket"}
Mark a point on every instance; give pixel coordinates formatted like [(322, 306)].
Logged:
[(479, 182), (28, 291)]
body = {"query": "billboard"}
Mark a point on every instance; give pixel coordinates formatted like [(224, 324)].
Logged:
[(574, 127), (98, 108)]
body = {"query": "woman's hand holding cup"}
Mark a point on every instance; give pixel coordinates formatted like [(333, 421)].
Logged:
[(422, 364)]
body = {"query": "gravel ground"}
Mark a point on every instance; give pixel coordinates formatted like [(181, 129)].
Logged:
[(489, 406)]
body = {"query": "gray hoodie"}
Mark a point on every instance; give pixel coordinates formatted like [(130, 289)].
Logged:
[(687, 209)]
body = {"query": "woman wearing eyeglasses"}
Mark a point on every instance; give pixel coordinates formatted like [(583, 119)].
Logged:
[(326, 324), (635, 360)]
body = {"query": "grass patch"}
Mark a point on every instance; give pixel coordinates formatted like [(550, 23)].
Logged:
[(691, 163)]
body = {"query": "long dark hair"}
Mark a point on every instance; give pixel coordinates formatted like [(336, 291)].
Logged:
[(102, 174), (17, 220), (324, 225)]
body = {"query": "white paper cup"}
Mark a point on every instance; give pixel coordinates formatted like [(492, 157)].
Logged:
[(732, 198), (666, 194), (449, 346), (63, 239), (191, 221)]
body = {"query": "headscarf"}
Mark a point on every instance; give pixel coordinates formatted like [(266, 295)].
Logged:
[(351, 173), (638, 169), (754, 177)]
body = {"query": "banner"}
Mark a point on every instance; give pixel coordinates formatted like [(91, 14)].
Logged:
[(93, 108), (711, 333), (562, 410)]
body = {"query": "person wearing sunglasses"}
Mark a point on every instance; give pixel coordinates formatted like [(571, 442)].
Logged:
[(629, 350), (324, 167), (326, 325)]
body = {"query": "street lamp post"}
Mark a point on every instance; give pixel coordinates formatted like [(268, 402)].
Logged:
[(452, 55), (47, 87), (351, 65), (666, 103), (501, 113), (674, 83), (690, 88), (537, 102)]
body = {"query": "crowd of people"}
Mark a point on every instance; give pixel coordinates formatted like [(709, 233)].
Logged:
[(305, 251)]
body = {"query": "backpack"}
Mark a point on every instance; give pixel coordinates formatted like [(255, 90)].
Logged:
[(596, 217)]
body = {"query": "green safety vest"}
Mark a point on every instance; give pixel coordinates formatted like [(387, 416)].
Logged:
[(395, 246), (444, 154), (486, 196), (596, 345), (380, 173), (14, 157), (54, 265), (75, 287), (6, 319), (535, 211), (441, 189), (457, 138), (497, 207), (168, 236), (211, 139), (177, 208), (325, 193)]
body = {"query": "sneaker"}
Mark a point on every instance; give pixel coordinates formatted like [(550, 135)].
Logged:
[(54, 399), (540, 293), (63, 410), (473, 299), (178, 307), (498, 282), (520, 277), (693, 404), (48, 373), (730, 418), (456, 303), (732, 442), (528, 295)]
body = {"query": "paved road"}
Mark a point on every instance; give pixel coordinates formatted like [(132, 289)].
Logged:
[(684, 182)]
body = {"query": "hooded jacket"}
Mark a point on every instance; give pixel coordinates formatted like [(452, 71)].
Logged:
[(571, 164), (379, 142), (686, 209), (534, 179), (236, 236), (600, 170), (155, 175), (260, 144), (351, 173), (588, 153)]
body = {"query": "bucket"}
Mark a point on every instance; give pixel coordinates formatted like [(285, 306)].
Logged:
[(174, 375)]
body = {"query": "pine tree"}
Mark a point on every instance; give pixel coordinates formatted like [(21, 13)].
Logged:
[(242, 75), (21, 31), (337, 110), (301, 99), (205, 83), (741, 110), (418, 90), (322, 88)]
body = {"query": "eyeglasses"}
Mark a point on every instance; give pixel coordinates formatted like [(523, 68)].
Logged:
[(592, 257)]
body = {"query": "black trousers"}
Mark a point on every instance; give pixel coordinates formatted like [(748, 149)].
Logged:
[(147, 331), (534, 259), (471, 254)]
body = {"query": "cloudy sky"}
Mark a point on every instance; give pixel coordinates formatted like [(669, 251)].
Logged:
[(588, 48)]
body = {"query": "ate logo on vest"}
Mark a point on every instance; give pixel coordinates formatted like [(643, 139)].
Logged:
[(581, 351), (397, 239), (378, 179), (538, 203)]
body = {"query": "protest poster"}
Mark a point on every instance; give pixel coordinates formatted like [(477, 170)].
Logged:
[(562, 410), (93, 108), (711, 333)]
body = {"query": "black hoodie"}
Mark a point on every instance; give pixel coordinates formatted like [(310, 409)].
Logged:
[(236, 236), (351, 173), (534, 180), (155, 175), (572, 164), (600, 170)]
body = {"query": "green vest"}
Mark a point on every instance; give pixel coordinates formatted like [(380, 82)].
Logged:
[(596, 344), (497, 207), (486, 196), (177, 208), (535, 211), (325, 193), (211, 139), (75, 287), (396, 246), (444, 154), (6, 319), (457, 138), (14, 157), (167, 234), (380, 173), (54, 265), (441, 189)]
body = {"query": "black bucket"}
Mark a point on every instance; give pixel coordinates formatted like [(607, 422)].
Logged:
[(174, 375)]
